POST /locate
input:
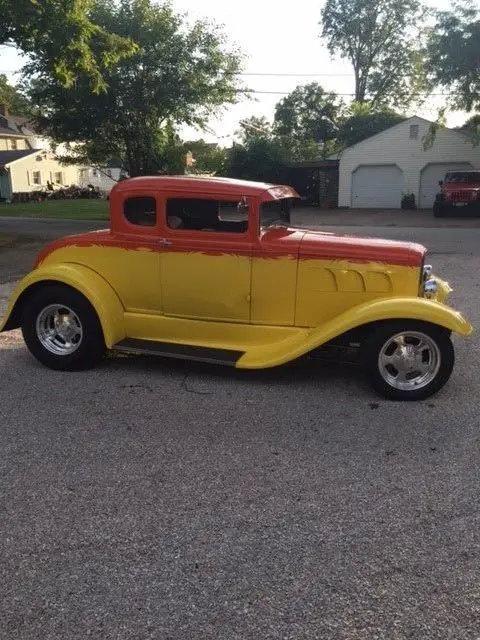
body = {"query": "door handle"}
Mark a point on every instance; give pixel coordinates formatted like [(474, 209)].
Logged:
[(164, 242)]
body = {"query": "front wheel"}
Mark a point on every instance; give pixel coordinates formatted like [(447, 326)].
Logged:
[(61, 329), (408, 360)]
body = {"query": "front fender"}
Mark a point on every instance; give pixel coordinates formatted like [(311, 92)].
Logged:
[(374, 311), (88, 282)]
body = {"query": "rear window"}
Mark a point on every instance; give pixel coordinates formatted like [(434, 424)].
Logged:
[(141, 211), (465, 177)]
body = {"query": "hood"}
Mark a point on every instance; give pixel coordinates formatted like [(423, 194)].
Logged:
[(336, 246)]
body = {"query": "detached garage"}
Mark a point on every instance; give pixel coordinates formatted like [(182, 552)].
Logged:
[(377, 172), (377, 186)]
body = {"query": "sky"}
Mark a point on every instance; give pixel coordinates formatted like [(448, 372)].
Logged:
[(276, 38)]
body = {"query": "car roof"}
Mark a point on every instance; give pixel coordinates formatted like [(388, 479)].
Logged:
[(220, 186)]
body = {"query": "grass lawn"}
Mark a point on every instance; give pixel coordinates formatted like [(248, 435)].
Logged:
[(59, 209)]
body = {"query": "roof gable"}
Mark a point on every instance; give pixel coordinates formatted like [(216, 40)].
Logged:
[(7, 157), (405, 123)]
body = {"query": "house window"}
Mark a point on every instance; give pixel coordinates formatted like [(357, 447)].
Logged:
[(109, 173), (13, 144), (37, 178), (207, 215), (414, 132), (58, 177), (141, 211)]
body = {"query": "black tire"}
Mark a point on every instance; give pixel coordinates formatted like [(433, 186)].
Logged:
[(439, 210), (89, 348), (379, 336)]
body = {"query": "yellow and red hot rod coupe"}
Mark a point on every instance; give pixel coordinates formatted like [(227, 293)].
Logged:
[(211, 269)]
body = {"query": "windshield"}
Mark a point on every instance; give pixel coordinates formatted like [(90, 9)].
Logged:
[(465, 177), (275, 212)]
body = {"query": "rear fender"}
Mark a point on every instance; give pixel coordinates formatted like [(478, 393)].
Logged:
[(88, 282)]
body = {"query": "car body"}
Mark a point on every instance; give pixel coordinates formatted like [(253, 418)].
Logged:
[(459, 192), (211, 269)]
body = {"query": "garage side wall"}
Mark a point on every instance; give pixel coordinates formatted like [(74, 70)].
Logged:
[(396, 147)]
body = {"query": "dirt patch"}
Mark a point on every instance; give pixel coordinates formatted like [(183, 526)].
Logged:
[(5, 293)]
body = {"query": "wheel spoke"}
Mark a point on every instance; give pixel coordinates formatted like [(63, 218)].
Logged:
[(409, 360), (59, 329)]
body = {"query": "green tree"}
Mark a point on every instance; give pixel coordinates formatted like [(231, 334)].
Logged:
[(260, 154), (361, 121), (61, 35), (13, 98), (180, 74), (209, 158), (308, 113), (383, 42), (454, 54)]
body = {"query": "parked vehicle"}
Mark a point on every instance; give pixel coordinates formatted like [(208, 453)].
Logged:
[(211, 269), (460, 192)]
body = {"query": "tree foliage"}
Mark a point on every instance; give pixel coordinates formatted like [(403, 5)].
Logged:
[(454, 54), (180, 74), (13, 98), (361, 121), (383, 43), (209, 158), (62, 36), (308, 113)]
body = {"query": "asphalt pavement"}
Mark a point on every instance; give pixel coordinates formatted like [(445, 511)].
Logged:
[(168, 500)]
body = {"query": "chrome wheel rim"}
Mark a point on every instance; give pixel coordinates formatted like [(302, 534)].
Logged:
[(59, 329), (409, 360)]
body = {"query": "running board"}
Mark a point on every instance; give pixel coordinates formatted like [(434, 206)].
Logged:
[(182, 351)]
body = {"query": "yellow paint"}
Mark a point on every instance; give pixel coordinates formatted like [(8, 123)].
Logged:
[(274, 285), (206, 287), (328, 288), (273, 309), (133, 273), (270, 355), (90, 284), (221, 335)]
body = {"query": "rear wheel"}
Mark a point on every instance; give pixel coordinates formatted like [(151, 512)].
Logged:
[(408, 360), (61, 329)]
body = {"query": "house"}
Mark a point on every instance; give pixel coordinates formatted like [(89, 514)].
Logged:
[(27, 162), (102, 178), (26, 170), (15, 134), (376, 172)]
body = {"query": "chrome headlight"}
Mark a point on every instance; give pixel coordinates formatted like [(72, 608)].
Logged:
[(430, 287)]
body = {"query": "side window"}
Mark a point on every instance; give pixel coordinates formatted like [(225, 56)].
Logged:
[(196, 214), (141, 211)]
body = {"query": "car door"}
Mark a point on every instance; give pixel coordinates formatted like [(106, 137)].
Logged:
[(206, 257)]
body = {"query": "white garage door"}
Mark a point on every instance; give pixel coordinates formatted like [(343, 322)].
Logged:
[(429, 178), (377, 187)]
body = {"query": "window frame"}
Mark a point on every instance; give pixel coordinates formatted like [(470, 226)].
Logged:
[(414, 128), (124, 225), (247, 235), (34, 182)]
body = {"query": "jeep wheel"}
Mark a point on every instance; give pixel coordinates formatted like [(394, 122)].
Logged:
[(439, 210), (408, 360), (62, 330)]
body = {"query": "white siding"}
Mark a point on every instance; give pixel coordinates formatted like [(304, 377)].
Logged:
[(394, 146), (100, 178), (22, 170)]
